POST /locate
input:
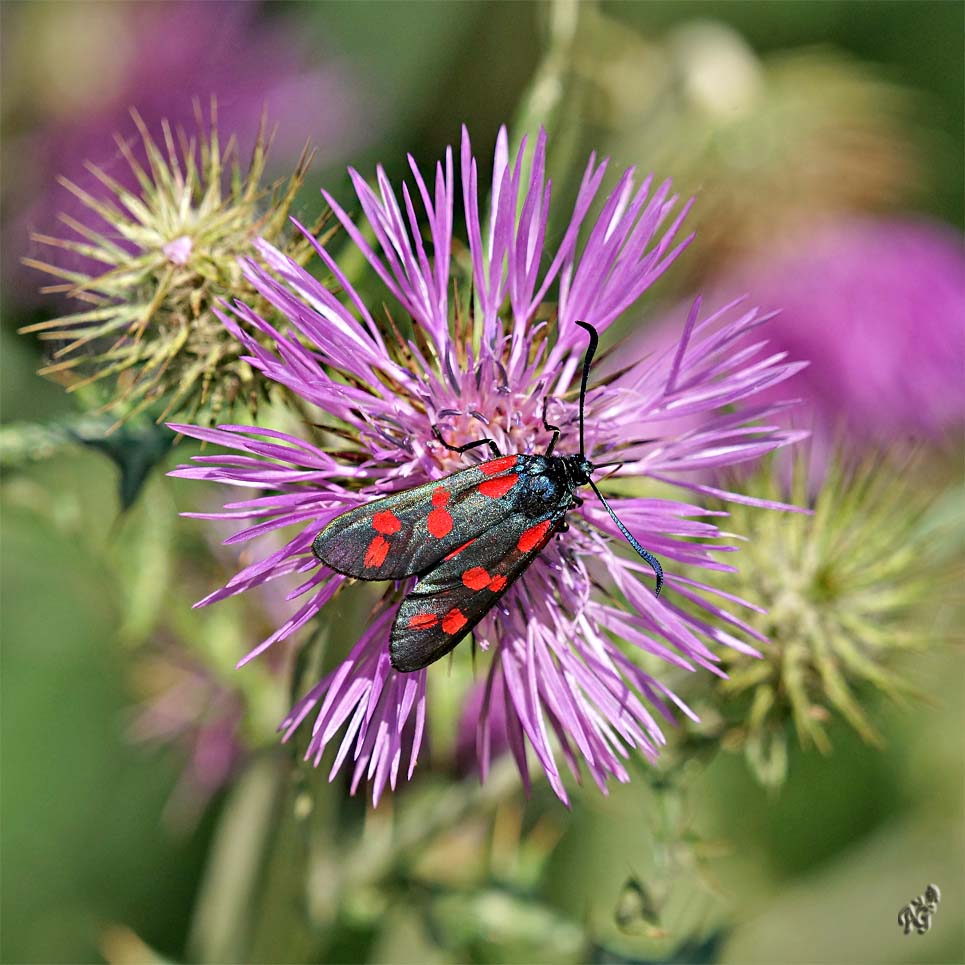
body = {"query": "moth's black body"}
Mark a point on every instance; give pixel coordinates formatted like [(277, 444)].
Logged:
[(468, 537)]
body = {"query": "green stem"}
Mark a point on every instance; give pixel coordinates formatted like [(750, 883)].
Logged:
[(222, 924), (372, 857), (545, 96), (554, 98), (22, 443)]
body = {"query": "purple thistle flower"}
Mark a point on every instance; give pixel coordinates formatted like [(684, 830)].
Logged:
[(556, 664), (877, 307)]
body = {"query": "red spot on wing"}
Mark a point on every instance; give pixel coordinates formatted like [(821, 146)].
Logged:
[(533, 536), (440, 496), (454, 621), (386, 522), (494, 488), (376, 553), (459, 549), (495, 466), (476, 578), (423, 621), (497, 583), (439, 523)]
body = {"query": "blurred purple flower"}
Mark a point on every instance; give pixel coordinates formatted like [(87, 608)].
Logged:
[(556, 662), (189, 707), (158, 57), (187, 702), (878, 308)]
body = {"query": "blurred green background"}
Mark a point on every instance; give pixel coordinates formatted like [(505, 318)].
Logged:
[(92, 871)]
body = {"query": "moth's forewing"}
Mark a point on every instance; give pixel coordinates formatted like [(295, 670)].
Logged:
[(448, 602), (409, 532)]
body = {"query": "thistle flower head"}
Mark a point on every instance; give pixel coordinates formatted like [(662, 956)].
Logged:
[(74, 70), (167, 253), (576, 643), (876, 306), (843, 589)]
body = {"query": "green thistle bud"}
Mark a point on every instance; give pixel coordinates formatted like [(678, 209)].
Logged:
[(843, 588), (170, 251)]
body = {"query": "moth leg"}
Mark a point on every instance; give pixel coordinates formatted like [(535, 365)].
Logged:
[(469, 445), (549, 428)]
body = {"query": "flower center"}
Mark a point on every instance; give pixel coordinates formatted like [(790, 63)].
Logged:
[(514, 423)]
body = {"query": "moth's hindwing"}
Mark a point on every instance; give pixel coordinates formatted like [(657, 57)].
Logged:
[(409, 532), (454, 596)]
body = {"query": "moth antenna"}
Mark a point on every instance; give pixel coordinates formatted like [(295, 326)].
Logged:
[(618, 465), (587, 359), (641, 552)]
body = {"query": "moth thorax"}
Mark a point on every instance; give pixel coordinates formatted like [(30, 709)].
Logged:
[(544, 490)]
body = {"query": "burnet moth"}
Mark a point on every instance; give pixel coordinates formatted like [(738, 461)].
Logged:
[(467, 537)]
